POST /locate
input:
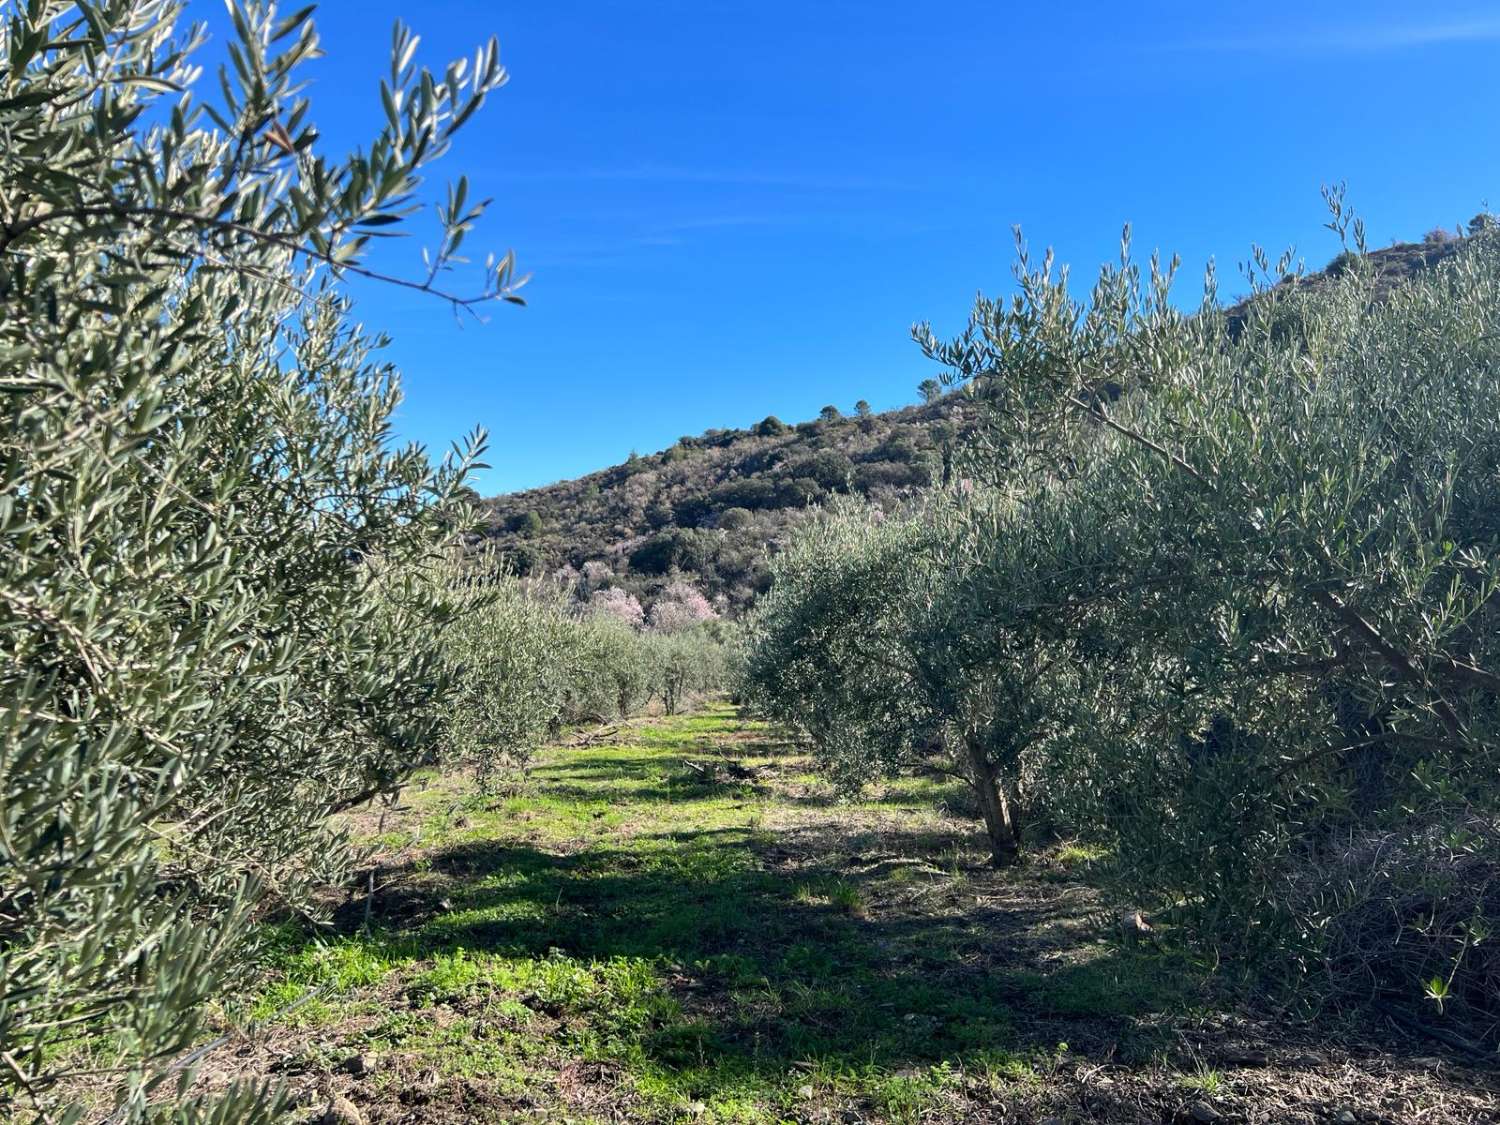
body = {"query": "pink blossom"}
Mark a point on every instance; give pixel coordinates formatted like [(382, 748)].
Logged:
[(619, 604), (679, 606)]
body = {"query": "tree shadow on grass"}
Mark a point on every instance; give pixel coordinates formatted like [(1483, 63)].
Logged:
[(697, 773), (771, 969)]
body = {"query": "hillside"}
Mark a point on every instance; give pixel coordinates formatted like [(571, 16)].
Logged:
[(708, 506)]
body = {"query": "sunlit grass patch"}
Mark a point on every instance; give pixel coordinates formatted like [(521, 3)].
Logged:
[(626, 911), (838, 893), (306, 974), (1075, 854), (1203, 1080)]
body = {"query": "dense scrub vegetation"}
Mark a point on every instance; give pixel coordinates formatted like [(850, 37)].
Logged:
[(708, 508), (1221, 602)]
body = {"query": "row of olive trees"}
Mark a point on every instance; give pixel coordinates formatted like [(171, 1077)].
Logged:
[(216, 628), (863, 644), (1220, 597), (525, 663)]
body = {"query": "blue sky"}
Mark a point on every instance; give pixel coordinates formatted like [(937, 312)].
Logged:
[(734, 209)]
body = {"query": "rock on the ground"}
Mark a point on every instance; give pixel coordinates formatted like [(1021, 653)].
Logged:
[(357, 1065), (341, 1111)]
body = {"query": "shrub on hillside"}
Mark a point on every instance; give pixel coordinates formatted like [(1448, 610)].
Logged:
[(751, 492), (873, 475), (679, 549)]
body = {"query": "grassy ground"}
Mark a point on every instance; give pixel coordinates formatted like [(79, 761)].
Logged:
[(679, 924)]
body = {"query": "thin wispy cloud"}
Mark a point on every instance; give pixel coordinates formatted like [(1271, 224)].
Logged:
[(1350, 39), (658, 236), (731, 177)]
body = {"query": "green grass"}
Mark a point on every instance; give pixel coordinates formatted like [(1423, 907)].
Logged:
[(1203, 1080), (624, 911)]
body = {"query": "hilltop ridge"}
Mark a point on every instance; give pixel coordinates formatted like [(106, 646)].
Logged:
[(706, 507)]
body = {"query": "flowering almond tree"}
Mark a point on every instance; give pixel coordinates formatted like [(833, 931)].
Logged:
[(680, 606)]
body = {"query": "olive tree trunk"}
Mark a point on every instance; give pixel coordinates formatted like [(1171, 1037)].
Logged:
[(997, 801)]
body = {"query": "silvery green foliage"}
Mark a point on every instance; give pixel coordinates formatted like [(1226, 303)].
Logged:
[(212, 635), (684, 665), (1261, 554), (509, 652), (525, 663), (829, 650), (865, 644), (615, 675)]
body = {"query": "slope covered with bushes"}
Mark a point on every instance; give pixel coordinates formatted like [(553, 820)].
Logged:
[(709, 507), (714, 508)]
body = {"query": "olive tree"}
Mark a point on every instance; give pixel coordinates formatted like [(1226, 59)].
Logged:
[(508, 653), (214, 631), (829, 649), (684, 665), (868, 644), (1262, 548)]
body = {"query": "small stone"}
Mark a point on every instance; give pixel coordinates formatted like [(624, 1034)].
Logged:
[(805, 1092), (357, 1065), (1203, 1112), (1052, 1121), (341, 1111), (1346, 1117)]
